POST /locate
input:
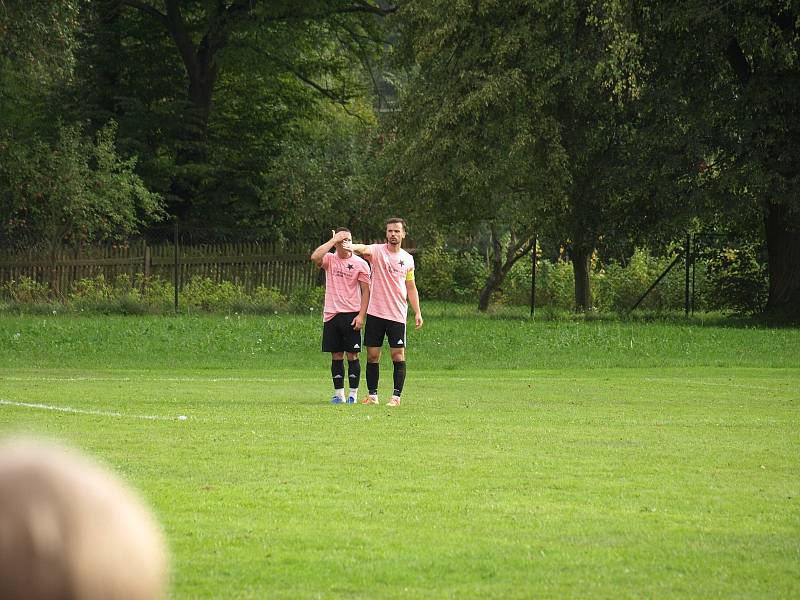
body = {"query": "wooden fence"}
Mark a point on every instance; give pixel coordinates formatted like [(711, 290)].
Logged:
[(249, 264)]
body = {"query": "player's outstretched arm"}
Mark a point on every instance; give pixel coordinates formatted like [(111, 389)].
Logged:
[(322, 250), (362, 250)]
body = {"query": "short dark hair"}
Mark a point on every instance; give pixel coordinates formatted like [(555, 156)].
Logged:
[(338, 229), (400, 220)]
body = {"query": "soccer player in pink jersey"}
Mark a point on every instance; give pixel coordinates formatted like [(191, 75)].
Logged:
[(346, 300), (393, 288)]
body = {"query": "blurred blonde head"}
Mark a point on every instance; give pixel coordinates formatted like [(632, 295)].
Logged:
[(70, 530)]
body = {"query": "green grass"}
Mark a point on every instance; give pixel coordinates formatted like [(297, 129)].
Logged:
[(529, 459)]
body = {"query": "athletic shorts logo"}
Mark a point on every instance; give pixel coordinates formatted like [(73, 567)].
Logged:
[(399, 342), (356, 346)]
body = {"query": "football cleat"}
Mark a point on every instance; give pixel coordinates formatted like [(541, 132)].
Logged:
[(351, 400), (370, 400), (337, 400), (394, 401)]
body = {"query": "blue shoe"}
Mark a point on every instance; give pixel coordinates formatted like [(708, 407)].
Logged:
[(351, 400), (337, 400)]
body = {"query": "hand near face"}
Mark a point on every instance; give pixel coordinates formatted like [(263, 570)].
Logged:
[(341, 236)]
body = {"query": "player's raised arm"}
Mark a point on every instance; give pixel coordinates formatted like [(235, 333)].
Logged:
[(322, 250)]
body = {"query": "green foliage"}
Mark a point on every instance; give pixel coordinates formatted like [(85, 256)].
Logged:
[(739, 281), (616, 286), (266, 300), (124, 296), (155, 295), (202, 293), (74, 189), (446, 274), (557, 284), (324, 177), (39, 35), (208, 119), (26, 291), (307, 300)]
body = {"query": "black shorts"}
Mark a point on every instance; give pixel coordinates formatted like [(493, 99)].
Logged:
[(377, 327), (338, 334)]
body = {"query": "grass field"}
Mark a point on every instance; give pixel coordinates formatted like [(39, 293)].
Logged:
[(529, 459)]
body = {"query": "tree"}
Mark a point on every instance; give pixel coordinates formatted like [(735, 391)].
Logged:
[(281, 51), (324, 174), (725, 86), (514, 116), (74, 190), (38, 36)]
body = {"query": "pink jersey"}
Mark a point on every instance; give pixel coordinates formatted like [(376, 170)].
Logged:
[(342, 289), (388, 297)]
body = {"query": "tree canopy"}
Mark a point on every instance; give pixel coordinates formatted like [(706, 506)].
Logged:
[(593, 125)]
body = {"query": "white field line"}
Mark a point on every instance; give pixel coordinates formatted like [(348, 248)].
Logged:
[(81, 411), (158, 379)]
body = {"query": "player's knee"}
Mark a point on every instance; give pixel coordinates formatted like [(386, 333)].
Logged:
[(337, 355)]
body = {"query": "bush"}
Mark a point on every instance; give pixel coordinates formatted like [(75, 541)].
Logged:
[(307, 300), (450, 275), (555, 284), (202, 293), (26, 291), (732, 279), (156, 293), (436, 275), (469, 274), (266, 300), (738, 281), (620, 286)]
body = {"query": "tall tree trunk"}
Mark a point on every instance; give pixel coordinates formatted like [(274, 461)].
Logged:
[(492, 285), (109, 38), (581, 258), (783, 250), (496, 274), (202, 71)]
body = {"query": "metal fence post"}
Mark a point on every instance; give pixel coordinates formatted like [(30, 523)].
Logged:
[(688, 256), (176, 274), (533, 277)]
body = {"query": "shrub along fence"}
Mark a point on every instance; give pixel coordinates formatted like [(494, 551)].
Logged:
[(247, 264)]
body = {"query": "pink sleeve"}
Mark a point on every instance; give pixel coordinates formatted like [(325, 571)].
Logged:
[(363, 274), (326, 260)]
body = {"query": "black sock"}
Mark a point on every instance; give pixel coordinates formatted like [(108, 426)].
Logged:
[(354, 373), (337, 373), (373, 373), (399, 377)]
